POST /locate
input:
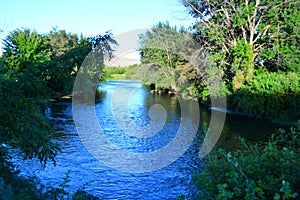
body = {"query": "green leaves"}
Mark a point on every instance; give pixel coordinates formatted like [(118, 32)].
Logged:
[(23, 125), (244, 34), (24, 96), (32, 67), (265, 171), (24, 49), (161, 45), (274, 95), (242, 37), (176, 59)]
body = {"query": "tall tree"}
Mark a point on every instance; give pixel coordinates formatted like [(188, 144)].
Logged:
[(160, 45), (67, 54), (178, 59), (25, 55), (61, 41), (89, 75), (22, 89), (245, 34)]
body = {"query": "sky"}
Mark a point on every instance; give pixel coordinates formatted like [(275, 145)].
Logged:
[(89, 17)]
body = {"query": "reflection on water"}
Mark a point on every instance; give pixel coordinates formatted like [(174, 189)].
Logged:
[(167, 183)]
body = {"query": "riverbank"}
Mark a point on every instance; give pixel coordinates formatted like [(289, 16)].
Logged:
[(61, 97), (169, 182), (229, 110), (264, 170)]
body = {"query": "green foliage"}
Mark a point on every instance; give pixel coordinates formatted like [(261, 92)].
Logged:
[(259, 171), (242, 63), (117, 77), (68, 53), (102, 46), (243, 35), (175, 60), (267, 26), (20, 188), (134, 72), (163, 77), (25, 54), (275, 95), (282, 52), (32, 66), (23, 97), (159, 45), (115, 70), (61, 41), (113, 73), (91, 73), (22, 102), (242, 55), (25, 49)]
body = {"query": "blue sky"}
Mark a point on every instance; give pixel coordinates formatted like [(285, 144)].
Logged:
[(89, 17)]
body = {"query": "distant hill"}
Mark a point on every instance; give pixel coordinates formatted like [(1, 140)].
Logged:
[(125, 59), (123, 62)]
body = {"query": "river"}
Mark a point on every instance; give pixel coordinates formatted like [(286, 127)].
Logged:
[(109, 183)]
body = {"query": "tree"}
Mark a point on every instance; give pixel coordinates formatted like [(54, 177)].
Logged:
[(23, 94), (67, 54), (103, 47), (30, 64), (160, 45), (242, 35), (89, 75), (25, 55), (177, 58), (61, 41)]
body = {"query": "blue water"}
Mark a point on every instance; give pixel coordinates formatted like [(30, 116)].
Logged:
[(96, 178)]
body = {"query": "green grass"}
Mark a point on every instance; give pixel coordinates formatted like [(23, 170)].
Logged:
[(117, 77)]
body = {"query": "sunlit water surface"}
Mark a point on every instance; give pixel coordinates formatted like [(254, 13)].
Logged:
[(87, 172)]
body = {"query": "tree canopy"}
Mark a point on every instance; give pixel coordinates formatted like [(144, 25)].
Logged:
[(244, 42), (247, 34), (23, 95), (177, 59)]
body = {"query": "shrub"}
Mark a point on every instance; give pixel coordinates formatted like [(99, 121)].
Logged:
[(265, 171), (275, 95)]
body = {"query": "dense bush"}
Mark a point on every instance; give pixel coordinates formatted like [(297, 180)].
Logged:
[(259, 171), (275, 95)]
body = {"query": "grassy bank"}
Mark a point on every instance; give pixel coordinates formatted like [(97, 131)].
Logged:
[(119, 73)]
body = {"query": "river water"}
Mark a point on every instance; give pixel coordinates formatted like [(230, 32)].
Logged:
[(97, 178)]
